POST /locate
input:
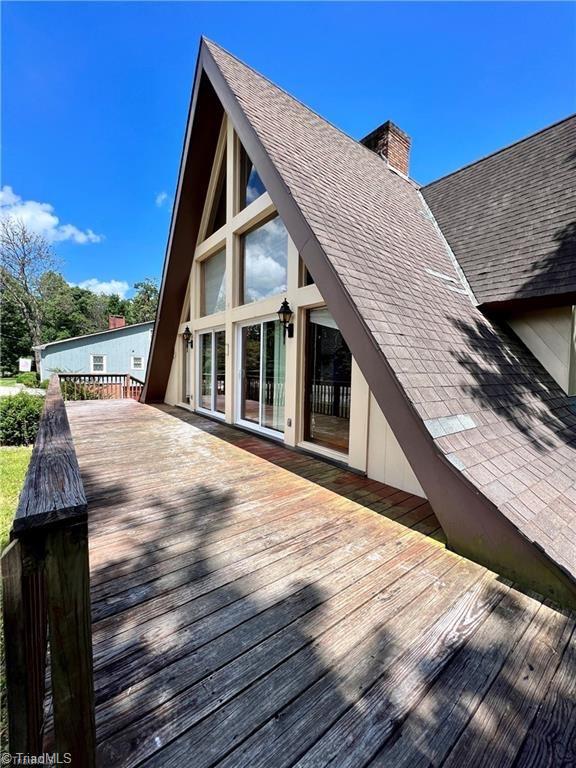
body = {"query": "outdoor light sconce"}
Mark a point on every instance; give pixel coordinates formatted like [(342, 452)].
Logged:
[(187, 335), (285, 315)]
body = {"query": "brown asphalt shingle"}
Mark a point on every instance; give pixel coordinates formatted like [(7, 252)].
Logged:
[(510, 218), (382, 241)]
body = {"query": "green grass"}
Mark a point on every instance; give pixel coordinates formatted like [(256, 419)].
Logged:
[(13, 466), (8, 382)]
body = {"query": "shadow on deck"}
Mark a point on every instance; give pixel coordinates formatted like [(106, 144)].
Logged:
[(253, 606)]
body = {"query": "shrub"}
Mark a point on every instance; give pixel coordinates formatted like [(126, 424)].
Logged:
[(19, 418), (29, 379), (44, 384), (72, 390)]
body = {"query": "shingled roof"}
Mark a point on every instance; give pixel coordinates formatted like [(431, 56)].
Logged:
[(489, 434), (510, 218)]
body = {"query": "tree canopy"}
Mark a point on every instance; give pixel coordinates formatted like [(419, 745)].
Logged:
[(38, 305)]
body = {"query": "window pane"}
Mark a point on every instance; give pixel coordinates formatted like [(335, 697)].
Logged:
[(220, 341), (328, 382), (251, 185), (206, 371), (250, 409), (274, 369), (218, 213), (214, 284), (265, 253)]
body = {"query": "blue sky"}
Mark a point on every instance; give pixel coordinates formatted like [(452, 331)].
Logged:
[(95, 97)]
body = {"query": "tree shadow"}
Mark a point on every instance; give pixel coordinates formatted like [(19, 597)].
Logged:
[(509, 381), (234, 631)]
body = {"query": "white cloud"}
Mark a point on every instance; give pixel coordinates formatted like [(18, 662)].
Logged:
[(161, 198), (40, 218), (106, 287)]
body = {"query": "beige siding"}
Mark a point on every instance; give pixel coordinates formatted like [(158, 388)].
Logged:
[(549, 335), (386, 460)]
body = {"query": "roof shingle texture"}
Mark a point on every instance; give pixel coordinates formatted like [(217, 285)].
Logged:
[(510, 218), (377, 232)]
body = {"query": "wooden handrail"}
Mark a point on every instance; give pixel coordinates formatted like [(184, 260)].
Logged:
[(53, 491), (101, 386), (46, 593)]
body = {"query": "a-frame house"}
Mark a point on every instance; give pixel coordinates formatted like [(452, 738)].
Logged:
[(388, 363)]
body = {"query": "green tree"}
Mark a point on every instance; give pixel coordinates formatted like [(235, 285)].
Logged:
[(26, 256), (144, 303), (15, 339)]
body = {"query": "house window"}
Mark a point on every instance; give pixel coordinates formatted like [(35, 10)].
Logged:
[(264, 261), (98, 363), (137, 363), (213, 280), (251, 185), (304, 277)]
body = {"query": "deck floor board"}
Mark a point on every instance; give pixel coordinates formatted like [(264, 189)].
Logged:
[(256, 606)]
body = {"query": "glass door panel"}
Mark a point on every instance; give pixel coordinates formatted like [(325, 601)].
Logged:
[(328, 383), (206, 371), (263, 371), (250, 404), (220, 364), (212, 371), (273, 369)]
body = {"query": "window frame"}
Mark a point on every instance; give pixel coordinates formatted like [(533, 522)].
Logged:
[(132, 363), (202, 286), (104, 362)]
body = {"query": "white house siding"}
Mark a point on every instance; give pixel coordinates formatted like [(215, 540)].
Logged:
[(549, 335)]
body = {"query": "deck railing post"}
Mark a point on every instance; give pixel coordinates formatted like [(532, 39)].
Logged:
[(68, 585), (25, 624)]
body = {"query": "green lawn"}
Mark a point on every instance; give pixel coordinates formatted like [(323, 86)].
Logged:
[(8, 382), (13, 465)]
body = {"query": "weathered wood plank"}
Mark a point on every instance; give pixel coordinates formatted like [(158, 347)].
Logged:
[(67, 577), (495, 733), (314, 607), (551, 738), (53, 490), (435, 724), (25, 628)]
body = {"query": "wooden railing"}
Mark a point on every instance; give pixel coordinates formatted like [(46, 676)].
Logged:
[(46, 594), (100, 386)]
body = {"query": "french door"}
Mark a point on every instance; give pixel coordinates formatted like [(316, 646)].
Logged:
[(261, 376), (211, 367)]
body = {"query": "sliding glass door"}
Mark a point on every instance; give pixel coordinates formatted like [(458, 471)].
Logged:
[(211, 385), (327, 383), (262, 369)]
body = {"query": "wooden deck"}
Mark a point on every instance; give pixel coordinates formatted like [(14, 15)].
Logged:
[(253, 606)]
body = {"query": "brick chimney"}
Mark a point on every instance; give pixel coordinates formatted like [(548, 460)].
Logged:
[(116, 321), (392, 143)]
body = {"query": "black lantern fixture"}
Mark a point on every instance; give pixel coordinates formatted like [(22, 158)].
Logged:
[(187, 336), (285, 315)]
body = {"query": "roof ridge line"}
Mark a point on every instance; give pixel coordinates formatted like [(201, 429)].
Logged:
[(502, 149), (357, 142)]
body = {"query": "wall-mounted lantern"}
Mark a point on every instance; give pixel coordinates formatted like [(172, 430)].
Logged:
[(187, 336), (285, 315)]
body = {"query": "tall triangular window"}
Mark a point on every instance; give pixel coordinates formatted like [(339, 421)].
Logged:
[(218, 213), (251, 185)]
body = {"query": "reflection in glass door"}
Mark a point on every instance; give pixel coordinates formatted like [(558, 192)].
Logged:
[(328, 383), (263, 370), (212, 372)]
